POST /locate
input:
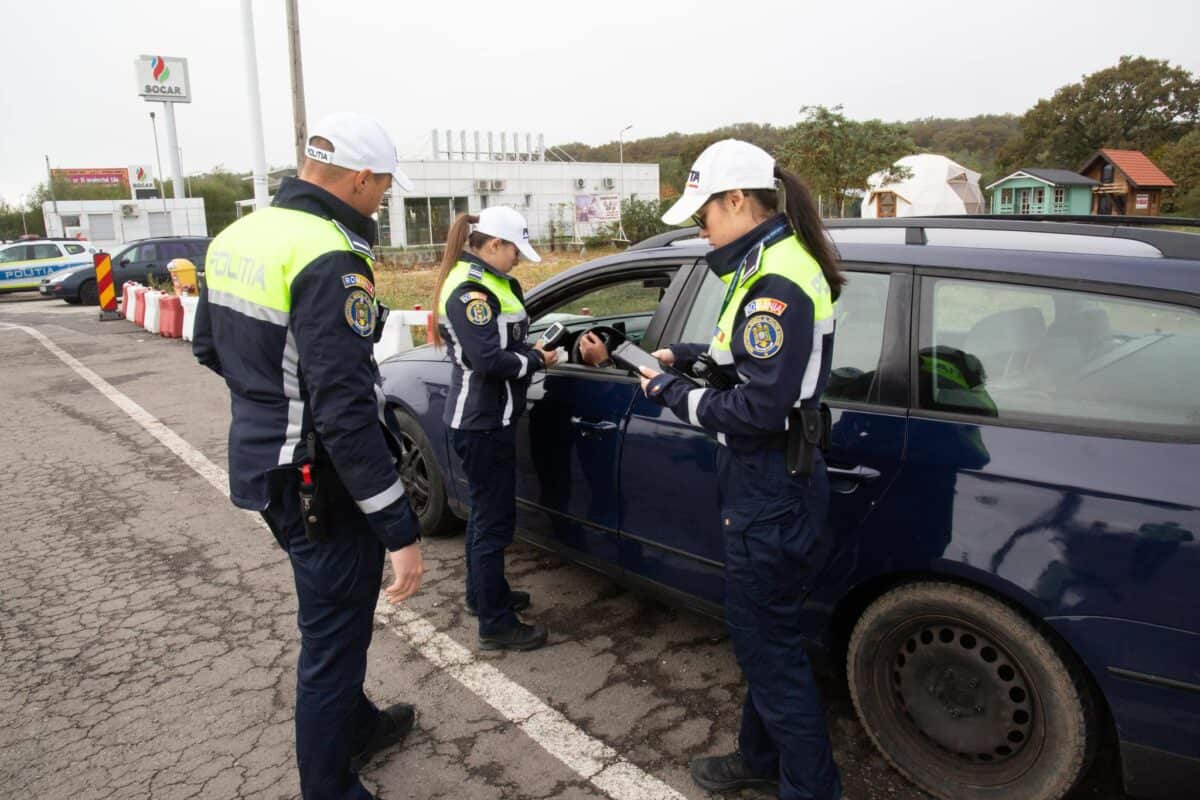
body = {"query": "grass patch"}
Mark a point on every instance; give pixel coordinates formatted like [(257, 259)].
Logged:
[(399, 288)]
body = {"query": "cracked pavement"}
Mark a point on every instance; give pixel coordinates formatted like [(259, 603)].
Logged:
[(148, 636)]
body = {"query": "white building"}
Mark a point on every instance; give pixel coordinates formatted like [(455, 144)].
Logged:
[(579, 196), (109, 223)]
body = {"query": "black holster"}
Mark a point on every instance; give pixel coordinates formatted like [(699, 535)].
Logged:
[(314, 492), (809, 431)]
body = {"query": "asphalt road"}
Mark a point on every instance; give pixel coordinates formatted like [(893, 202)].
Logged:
[(147, 627)]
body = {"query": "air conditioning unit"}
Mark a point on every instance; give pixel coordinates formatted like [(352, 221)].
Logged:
[(129, 209), (481, 187), (609, 183), (580, 183), (497, 186)]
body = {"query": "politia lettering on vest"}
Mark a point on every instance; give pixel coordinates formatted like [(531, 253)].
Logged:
[(247, 271)]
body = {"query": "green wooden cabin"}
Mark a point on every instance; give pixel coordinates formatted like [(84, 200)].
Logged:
[(1042, 191)]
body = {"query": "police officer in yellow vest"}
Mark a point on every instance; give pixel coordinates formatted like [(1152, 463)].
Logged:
[(480, 319), (288, 316), (767, 365)]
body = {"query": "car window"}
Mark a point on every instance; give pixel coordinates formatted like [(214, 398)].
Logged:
[(146, 252), (858, 339), (74, 249), (858, 336), (18, 253), (169, 250), (46, 251), (1052, 355), (627, 305), (197, 248)]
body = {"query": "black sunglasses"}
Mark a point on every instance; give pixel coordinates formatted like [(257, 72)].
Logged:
[(702, 214)]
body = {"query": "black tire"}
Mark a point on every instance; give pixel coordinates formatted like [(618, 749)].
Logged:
[(967, 698), (423, 478), (88, 294), (72, 301)]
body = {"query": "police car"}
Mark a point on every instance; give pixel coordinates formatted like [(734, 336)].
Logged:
[(24, 264)]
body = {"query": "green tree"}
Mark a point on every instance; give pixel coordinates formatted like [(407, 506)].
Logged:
[(16, 221), (1139, 104), (836, 155), (221, 190), (1181, 162)]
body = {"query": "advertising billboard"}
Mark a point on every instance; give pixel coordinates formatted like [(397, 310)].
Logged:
[(140, 177), (163, 78), (93, 176), (598, 208)]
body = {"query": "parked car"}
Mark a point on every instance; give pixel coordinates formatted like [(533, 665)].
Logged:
[(23, 264), (1016, 446), (139, 260)]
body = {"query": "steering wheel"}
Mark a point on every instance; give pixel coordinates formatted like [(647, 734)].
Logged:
[(608, 334)]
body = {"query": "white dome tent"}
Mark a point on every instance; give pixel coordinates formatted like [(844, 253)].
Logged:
[(935, 185)]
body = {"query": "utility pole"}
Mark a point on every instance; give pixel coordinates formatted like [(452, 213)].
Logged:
[(299, 117), (162, 183), (53, 199), (621, 190)]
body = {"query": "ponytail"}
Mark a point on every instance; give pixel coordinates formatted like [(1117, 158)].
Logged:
[(805, 220), (459, 238)]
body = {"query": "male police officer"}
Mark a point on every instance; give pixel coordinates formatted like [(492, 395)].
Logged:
[(288, 317)]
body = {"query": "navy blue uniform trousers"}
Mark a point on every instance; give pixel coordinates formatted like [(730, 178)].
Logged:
[(337, 585), (489, 460), (775, 543)]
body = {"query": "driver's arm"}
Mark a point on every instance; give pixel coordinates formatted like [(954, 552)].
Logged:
[(476, 329)]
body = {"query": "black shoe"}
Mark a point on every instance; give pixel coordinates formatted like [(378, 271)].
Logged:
[(517, 601), (522, 637), (394, 724), (727, 773)]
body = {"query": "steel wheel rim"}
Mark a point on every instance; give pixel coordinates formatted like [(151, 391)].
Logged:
[(961, 696), (414, 471)]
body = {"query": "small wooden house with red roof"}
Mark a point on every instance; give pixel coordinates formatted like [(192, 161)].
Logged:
[(1130, 183)]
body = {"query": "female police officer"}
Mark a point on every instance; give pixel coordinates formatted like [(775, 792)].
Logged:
[(480, 317), (771, 349)]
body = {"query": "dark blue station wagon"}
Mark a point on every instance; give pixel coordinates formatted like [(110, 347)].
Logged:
[(1015, 480)]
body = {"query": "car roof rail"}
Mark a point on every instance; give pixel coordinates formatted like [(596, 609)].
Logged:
[(1171, 244), (666, 238)]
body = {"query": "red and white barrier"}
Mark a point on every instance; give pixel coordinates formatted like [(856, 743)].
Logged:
[(150, 318), (139, 305), (170, 317), (189, 303), (127, 299)]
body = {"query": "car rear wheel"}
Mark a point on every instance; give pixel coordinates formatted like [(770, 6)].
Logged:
[(422, 478), (967, 698), (88, 294)]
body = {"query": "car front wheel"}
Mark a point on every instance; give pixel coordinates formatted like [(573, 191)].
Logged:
[(967, 698), (422, 478), (88, 294)]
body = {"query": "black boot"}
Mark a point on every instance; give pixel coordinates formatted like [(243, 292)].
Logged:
[(520, 637), (393, 725), (729, 772), (517, 601)]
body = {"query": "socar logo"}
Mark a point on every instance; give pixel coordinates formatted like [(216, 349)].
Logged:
[(158, 68)]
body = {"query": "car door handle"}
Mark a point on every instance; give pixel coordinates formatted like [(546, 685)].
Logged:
[(859, 473), (589, 428)]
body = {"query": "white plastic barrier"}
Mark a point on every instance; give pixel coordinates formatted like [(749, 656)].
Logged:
[(151, 321), (129, 298), (189, 303), (397, 336)]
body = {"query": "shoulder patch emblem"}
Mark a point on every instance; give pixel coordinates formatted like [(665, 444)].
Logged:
[(467, 297), (360, 313), (751, 264), (354, 280), (765, 305), (764, 336), (479, 312)]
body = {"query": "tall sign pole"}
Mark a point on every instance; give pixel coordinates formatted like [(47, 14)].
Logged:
[(256, 127), (165, 79), (299, 119), (53, 199)]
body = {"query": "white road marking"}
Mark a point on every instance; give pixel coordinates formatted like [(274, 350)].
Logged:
[(588, 757)]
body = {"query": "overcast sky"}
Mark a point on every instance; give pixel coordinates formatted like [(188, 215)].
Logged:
[(572, 70)]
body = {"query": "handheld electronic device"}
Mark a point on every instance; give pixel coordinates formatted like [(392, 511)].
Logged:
[(552, 336)]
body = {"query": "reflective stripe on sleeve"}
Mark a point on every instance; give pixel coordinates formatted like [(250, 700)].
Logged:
[(382, 500), (693, 405)]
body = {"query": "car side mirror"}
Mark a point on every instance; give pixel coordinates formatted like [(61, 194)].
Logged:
[(124, 262)]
